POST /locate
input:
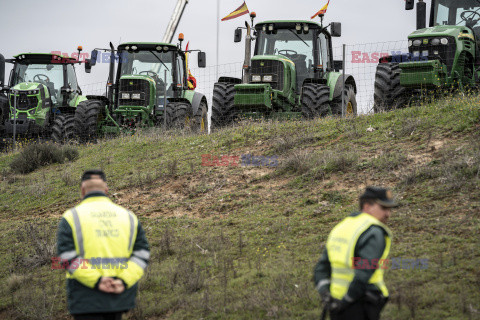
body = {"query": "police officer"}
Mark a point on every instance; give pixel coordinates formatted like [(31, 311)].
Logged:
[(104, 250), (349, 275)]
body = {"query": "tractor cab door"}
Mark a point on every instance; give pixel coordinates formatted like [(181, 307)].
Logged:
[(72, 84), (180, 80), (324, 53)]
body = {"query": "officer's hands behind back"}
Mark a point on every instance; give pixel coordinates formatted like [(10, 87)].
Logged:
[(110, 285)]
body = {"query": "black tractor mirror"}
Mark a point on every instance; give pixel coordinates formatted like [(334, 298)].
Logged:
[(88, 66), (238, 35), (93, 58), (409, 4), (2, 70), (336, 29), (202, 59), (337, 65)]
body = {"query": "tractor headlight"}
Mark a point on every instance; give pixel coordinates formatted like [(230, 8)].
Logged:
[(264, 28), (136, 96), (416, 53), (425, 53), (410, 43), (127, 48), (435, 52), (270, 27), (268, 78), (158, 48), (256, 78), (435, 42), (125, 96), (305, 28), (298, 27), (33, 92), (165, 48), (134, 48), (417, 42), (444, 41)]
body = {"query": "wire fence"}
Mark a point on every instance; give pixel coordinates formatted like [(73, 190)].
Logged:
[(281, 87)]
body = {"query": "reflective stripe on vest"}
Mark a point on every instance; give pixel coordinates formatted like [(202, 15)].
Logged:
[(104, 232), (341, 247)]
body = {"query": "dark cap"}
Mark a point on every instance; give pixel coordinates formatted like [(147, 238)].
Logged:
[(382, 196), (89, 173)]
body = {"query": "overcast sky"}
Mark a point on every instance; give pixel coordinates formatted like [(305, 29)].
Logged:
[(45, 26)]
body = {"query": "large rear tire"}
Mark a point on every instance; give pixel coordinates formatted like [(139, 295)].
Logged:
[(63, 128), (350, 102), (88, 115), (389, 94), (179, 115), (315, 100), (4, 110), (223, 107)]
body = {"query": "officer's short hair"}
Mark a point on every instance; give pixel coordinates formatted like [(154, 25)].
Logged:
[(364, 201), (87, 175)]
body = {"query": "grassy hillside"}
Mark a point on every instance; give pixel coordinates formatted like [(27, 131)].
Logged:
[(241, 242)]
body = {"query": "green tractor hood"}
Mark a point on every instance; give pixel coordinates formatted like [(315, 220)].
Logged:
[(138, 77), (132, 108), (445, 67), (27, 86), (438, 31)]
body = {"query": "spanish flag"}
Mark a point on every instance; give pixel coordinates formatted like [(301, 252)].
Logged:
[(238, 12), (191, 81), (322, 11)]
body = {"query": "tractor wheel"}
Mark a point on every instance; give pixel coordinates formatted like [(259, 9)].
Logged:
[(63, 128), (4, 111), (389, 95), (223, 108), (88, 115), (315, 100), (350, 102), (200, 119), (179, 115)]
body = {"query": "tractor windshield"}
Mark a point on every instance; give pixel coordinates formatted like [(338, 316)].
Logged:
[(286, 42), (458, 12), (50, 75), (301, 48), (148, 63)]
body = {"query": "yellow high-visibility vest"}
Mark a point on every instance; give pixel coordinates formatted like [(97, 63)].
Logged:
[(104, 234), (341, 246)]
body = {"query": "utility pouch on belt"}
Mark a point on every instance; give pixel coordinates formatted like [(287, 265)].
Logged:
[(375, 298)]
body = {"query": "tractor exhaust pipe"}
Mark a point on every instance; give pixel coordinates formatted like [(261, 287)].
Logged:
[(248, 54), (111, 73), (421, 15), (2, 71)]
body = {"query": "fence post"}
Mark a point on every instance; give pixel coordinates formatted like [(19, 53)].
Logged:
[(165, 101), (343, 81), (15, 120)]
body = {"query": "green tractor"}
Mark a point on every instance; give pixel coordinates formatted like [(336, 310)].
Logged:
[(291, 74), (152, 88), (40, 98), (441, 58)]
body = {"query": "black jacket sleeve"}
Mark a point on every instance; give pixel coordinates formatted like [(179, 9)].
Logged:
[(322, 273)]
